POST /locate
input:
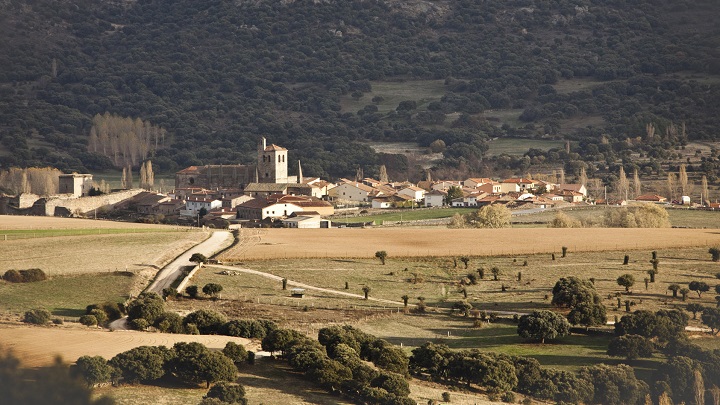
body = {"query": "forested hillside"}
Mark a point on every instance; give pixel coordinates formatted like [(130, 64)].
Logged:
[(216, 75)]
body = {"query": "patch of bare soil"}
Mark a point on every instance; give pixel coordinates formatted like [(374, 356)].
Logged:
[(39, 346)]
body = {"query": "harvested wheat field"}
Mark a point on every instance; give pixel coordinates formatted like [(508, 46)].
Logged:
[(38, 346), (418, 242), (96, 253)]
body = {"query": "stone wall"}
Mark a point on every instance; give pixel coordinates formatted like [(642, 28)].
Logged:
[(85, 205)]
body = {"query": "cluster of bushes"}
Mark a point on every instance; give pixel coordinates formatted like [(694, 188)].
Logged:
[(102, 314), (149, 310), (338, 367), (580, 296), (189, 362), (501, 374), (379, 351), (24, 276)]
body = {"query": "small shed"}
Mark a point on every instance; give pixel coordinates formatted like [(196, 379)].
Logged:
[(297, 292)]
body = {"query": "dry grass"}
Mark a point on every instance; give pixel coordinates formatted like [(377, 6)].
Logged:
[(96, 253), (38, 346), (438, 279), (406, 242)]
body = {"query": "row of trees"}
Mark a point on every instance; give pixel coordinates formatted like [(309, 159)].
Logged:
[(190, 362), (501, 373), (149, 310), (335, 362), (37, 180), (125, 140)]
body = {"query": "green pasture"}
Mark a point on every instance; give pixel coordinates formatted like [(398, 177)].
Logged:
[(13, 234), (65, 296), (518, 146), (420, 91), (569, 353), (405, 215)]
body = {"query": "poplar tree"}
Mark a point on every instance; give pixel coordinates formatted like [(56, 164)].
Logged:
[(622, 184), (683, 180), (637, 187), (705, 190), (582, 178)]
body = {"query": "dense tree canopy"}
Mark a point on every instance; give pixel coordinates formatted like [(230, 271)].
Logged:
[(543, 325), (286, 70)]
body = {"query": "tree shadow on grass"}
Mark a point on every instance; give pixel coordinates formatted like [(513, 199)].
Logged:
[(266, 373), (69, 312)]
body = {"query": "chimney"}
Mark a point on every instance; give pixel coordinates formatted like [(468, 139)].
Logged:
[(300, 176), (264, 143)]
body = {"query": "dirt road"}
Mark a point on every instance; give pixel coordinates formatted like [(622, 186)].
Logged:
[(307, 286), (217, 241)]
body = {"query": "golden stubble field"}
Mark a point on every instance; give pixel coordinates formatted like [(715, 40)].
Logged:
[(152, 246), (38, 346), (423, 242)]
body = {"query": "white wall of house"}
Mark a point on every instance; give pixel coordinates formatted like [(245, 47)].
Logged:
[(416, 195), (194, 207), (509, 188), (349, 192), (434, 200)]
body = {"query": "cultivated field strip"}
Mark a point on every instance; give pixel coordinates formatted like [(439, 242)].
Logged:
[(434, 242)]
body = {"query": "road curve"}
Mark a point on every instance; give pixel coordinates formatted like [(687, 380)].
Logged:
[(306, 286), (165, 277)]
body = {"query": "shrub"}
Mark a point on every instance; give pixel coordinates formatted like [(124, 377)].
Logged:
[(57, 321), (192, 291), (206, 321), (446, 396), (12, 276), (715, 252), (235, 352), (508, 397), (24, 276), (37, 316), (99, 315), (88, 320), (228, 393), (32, 275), (139, 324)]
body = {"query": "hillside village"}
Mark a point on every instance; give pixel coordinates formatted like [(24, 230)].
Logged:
[(264, 194)]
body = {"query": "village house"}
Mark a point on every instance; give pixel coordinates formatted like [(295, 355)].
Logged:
[(279, 206), (169, 207), (353, 191), (578, 188), (475, 182), (435, 198), (651, 198), (517, 185), (570, 196), (306, 220), (415, 193), (445, 185), (391, 201), (76, 184), (146, 202), (193, 205)]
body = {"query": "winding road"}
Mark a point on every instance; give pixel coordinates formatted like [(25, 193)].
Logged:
[(217, 241)]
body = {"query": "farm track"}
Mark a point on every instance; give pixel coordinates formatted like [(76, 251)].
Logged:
[(306, 286)]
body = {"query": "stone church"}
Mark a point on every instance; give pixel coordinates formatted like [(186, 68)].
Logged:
[(271, 167)]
